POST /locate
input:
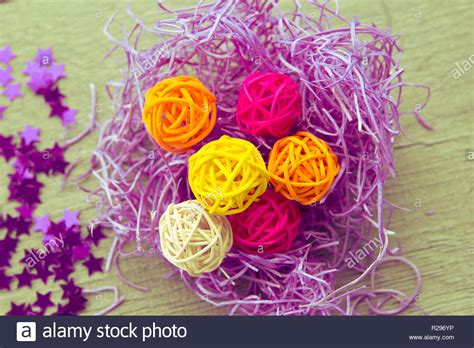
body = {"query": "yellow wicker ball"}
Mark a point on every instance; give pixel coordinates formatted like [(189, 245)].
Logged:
[(227, 175), (192, 239)]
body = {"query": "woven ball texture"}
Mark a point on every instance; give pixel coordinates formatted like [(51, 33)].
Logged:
[(227, 175), (179, 112), (302, 167), (269, 226), (192, 239), (269, 103)]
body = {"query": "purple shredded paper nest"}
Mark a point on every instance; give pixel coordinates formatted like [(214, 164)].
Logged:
[(351, 83)]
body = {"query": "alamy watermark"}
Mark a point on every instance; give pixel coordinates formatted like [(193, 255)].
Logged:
[(363, 252), (462, 67), (49, 247), (147, 64)]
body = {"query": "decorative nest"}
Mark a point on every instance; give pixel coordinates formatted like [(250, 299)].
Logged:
[(351, 88)]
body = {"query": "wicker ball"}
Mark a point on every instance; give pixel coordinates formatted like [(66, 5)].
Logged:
[(302, 167), (227, 175), (179, 112), (269, 226), (269, 104), (192, 239)]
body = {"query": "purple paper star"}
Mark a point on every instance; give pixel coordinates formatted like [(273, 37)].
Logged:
[(43, 301), (6, 55), (70, 218), (7, 148), (44, 57), (57, 72), (31, 68), (10, 223), (24, 190), (5, 280), (5, 261), (52, 95), (21, 168), (24, 278), (20, 309), (5, 77), (8, 245), (29, 135), (80, 252), (42, 224), (38, 80), (62, 272), (57, 109), (2, 111), (93, 264), (69, 117), (42, 272), (75, 305), (95, 234), (57, 229), (27, 256), (13, 91), (58, 164), (71, 290), (22, 226), (25, 211), (73, 237), (61, 310)]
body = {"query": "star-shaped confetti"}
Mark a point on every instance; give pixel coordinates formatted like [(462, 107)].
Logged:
[(42, 224), (42, 272), (20, 309), (57, 109), (24, 278), (94, 265), (95, 234), (25, 211), (51, 95), (57, 162), (12, 91), (57, 72), (62, 272), (8, 245), (69, 117), (10, 223), (75, 305), (70, 289), (5, 76), (44, 57), (22, 226), (25, 188), (29, 135), (5, 280), (43, 301), (80, 252), (6, 55), (7, 147), (70, 218)]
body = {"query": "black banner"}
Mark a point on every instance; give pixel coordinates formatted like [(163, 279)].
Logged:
[(293, 332)]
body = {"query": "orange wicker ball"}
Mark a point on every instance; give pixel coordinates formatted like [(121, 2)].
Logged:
[(302, 167), (179, 112)]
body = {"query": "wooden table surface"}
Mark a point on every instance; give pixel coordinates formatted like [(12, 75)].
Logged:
[(434, 176)]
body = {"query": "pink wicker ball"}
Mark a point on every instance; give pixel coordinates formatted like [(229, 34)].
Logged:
[(269, 104), (269, 226)]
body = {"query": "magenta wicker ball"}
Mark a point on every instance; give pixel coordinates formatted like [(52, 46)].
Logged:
[(269, 104), (269, 226)]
